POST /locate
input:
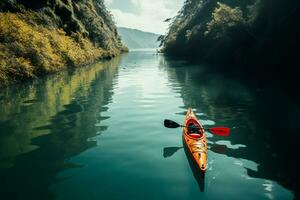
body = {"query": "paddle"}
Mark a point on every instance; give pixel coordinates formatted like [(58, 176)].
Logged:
[(222, 131)]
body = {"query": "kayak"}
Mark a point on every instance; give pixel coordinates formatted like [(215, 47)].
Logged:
[(194, 139)]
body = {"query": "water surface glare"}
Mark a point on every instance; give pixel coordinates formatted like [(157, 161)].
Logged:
[(97, 133)]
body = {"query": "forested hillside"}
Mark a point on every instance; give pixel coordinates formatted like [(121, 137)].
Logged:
[(39, 37), (252, 37), (136, 39)]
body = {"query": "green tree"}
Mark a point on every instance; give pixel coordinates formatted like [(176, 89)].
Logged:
[(223, 18)]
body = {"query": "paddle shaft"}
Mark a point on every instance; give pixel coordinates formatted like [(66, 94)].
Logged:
[(195, 127), (206, 129), (222, 131), (215, 130)]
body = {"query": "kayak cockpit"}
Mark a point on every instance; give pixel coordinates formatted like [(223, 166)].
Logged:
[(194, 129)]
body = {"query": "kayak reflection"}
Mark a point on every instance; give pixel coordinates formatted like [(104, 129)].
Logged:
[(198, 175)]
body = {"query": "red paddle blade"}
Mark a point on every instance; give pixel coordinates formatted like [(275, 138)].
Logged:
[(222, 131)]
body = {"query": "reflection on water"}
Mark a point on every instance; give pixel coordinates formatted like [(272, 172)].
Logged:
[(169, 151), (223, 101), (219, 148), (198, 175), (48, 122), (97, 133)]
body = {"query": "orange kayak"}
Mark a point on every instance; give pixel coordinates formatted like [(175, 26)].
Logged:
[(195, 139)]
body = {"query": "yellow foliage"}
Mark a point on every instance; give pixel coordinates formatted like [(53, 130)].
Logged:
[(28, 49), (22, 67), (224, 17)]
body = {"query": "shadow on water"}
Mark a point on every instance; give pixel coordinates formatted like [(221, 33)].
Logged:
[(220, 149), (39, 140), (198, 175), (169, 151), (266, 118)]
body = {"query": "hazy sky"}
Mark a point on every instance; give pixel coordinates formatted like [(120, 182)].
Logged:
[(146, 15)]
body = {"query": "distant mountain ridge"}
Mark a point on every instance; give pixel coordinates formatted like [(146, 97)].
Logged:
[(137, 39)]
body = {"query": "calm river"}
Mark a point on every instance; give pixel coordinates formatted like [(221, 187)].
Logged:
[(97, 133)]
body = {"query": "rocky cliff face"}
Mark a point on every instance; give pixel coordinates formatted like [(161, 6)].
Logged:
[(44, 36)]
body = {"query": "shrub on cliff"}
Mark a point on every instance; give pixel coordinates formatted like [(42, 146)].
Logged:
[(223, 18)]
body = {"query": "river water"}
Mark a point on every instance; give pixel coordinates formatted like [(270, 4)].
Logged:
[(97, 133)]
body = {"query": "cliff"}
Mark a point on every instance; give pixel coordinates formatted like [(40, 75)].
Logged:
[(44, 36)]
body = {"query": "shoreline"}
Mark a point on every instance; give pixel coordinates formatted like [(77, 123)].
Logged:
[(68, 68)]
